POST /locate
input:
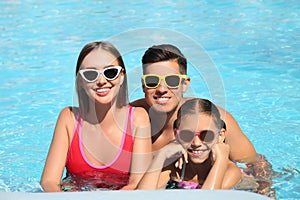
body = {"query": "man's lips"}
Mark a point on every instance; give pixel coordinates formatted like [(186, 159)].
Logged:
[(161, 100)]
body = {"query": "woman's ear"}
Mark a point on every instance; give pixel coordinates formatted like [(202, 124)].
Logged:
[(222, 135), (122, 77), (186, 83)]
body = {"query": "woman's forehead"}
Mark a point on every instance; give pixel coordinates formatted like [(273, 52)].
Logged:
[(99, 58)]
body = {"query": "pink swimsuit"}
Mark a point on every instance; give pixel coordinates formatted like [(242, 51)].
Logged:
[(112, 176)]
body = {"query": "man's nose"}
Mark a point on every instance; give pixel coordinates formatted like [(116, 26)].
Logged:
[(162, 87)]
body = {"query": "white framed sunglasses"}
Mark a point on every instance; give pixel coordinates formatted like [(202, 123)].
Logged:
[(109, 73)]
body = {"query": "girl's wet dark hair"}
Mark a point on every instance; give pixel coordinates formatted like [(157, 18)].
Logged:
[(122, 98), (165, 52), (196, 106)]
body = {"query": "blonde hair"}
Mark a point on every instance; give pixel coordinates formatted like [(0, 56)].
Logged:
[(122, 97)]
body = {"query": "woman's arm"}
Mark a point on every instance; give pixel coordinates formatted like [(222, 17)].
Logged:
[(142, 148), (56, 159)]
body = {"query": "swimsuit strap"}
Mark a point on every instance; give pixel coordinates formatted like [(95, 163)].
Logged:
[(130, 117)]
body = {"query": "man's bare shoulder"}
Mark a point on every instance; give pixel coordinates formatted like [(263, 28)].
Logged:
[(184, 99), (140, 103)]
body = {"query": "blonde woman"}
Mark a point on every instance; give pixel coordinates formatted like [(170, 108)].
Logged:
[(104, 143)]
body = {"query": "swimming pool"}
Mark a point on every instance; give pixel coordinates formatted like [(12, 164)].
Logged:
[(254, 47)]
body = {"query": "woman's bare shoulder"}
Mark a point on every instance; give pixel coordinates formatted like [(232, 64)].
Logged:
[(141, 116), (69, 112)]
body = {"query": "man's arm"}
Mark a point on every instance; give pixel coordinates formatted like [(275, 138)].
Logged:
[(241, 149)]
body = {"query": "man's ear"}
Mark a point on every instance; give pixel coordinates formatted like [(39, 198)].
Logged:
[(222, 135), (186, 83), (143, 86)]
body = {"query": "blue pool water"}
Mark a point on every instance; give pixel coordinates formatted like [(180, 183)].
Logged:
[(255, 64)]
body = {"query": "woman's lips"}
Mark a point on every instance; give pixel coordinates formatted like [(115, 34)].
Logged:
[(102, 91)]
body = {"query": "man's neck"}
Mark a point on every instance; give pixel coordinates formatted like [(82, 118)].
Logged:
[(161, 124)]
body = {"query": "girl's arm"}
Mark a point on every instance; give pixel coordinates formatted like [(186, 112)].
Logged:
[(155, 178), (219, 176), (56, 159), (142, 148), (232, 176)]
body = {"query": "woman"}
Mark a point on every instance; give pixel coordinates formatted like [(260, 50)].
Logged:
[(200, 133), (104, 143)]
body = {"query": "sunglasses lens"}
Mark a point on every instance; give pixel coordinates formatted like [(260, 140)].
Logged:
[(172, 81), (151, 81), (111, 73), (90, 75), (207, 136), (186, 136)]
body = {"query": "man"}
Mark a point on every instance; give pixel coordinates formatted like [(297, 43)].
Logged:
[(162, 100), (164, 82)]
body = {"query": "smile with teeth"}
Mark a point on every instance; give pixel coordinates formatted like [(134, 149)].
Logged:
[(102, 91), (197, 152), (162, 100)]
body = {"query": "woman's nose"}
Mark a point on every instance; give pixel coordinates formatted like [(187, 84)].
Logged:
[(101, 80)]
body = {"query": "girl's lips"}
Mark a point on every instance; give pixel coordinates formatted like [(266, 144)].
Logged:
[(196, 153), (102, 91)]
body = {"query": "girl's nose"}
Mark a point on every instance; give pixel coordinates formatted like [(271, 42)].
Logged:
[(197, 141)]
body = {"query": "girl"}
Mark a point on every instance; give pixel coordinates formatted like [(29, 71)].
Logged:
[(200, 134), (103, 143)]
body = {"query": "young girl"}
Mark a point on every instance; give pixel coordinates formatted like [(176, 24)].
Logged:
[(199, 133), (104, 143)]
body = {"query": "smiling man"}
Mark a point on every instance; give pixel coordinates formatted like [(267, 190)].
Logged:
[(164, 81)]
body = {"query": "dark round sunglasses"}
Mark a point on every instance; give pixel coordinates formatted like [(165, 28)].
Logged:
[(187, 136)]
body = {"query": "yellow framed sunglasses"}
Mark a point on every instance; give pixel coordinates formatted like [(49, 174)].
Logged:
[(172, 80)]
